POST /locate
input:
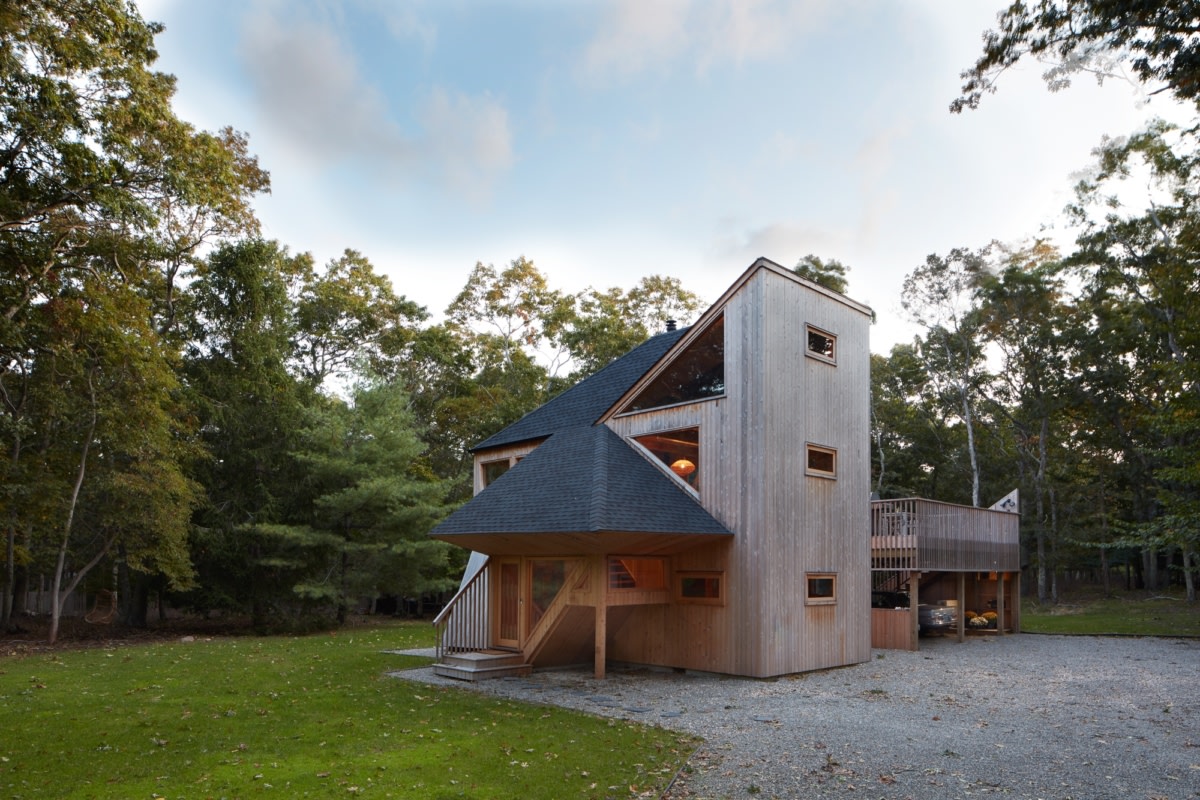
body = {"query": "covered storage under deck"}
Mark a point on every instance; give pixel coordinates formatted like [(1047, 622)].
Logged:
[(932, 553)]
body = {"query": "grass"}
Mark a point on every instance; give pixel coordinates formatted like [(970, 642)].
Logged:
[(311, 716), (1130, 613)]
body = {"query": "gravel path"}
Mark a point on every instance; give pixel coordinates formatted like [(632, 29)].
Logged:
[(1024, 716)]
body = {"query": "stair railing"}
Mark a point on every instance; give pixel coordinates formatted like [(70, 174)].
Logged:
[(464, 624)]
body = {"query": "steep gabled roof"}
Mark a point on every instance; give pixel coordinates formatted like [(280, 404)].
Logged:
[(582, 480), (584, 402)]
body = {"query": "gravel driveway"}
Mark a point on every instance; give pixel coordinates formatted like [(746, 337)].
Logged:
[(1021, 716)]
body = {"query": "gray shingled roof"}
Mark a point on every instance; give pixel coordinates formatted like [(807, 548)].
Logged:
[(582, 480), (584, 402)]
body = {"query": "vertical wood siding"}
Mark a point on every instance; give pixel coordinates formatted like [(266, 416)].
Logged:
[(786, 523)]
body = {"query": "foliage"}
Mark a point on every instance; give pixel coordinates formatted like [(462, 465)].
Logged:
[(313, 716), (1159, 39), (829, 273), (371, 499)]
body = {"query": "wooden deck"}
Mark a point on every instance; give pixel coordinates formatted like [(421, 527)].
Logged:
[(917, 535)]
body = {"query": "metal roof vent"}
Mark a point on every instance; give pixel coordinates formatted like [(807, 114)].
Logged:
[(670, 325)]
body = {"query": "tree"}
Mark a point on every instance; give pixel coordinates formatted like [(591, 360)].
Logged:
[(349, 313), (609, 324), (1160, 39), (831, 273), (1022, 313), (1139, 264), (247, 406), (372, 501), (103, 192), (939, 296)]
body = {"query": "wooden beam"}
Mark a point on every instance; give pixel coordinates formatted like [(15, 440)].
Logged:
[(914, 626), (1000, 603), (601, 635), (962, 607)]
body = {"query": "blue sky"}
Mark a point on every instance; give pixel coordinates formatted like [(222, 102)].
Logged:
[(606, 141)]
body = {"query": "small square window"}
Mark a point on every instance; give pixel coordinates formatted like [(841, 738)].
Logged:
[(704, 588), (821, 344), (820, 461), (821, 588)]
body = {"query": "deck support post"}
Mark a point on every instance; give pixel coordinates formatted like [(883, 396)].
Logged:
[(1000, 602), (1016, 606), (914, 624), (962, 607)]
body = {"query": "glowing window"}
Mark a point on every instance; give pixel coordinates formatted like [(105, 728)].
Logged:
[(679, 450)]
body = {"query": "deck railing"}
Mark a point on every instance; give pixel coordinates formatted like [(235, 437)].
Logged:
[(464, 624), (917, 534)]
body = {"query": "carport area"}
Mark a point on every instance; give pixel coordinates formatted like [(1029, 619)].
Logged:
[(942, 567)]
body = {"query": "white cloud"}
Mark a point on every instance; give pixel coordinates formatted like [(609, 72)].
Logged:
[(470, 138), (782, 242), (312, 96), (316, 101), (638, 36)]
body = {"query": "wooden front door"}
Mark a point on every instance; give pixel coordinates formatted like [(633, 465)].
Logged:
[(508, 603)]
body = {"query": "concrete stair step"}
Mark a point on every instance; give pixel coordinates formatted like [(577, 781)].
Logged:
[(476, 672)]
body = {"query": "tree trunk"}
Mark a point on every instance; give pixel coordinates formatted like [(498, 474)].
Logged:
[(1189, 559), (966, 403), (56, 600), (10, 575)]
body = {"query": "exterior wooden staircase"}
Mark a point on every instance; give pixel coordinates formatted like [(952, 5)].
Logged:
[(463, 630)]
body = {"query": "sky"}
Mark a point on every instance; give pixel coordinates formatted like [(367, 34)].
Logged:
[(611, 140)]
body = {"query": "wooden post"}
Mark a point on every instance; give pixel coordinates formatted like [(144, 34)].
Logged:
[(1016, 593), (1000, 603), (600, 593), (601, 635), (914, 600), (962, 607)]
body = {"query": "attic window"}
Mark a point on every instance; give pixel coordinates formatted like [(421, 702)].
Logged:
[(821, 345), (679, 451), (697, 373), (820, 461), (492, 470)]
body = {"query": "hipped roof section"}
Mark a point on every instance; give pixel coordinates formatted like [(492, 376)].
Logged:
[(582, 480)]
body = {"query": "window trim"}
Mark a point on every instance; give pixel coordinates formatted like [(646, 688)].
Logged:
[(814, 472), (809, 330), (820, 600), (483, 470), (717, 575)]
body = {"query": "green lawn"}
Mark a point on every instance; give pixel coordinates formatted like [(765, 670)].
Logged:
[(1128, 613), (310, 716)]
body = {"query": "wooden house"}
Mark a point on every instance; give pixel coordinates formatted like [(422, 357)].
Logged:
[(700, 503)]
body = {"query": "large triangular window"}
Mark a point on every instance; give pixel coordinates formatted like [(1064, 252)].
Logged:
[(696, 374)]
